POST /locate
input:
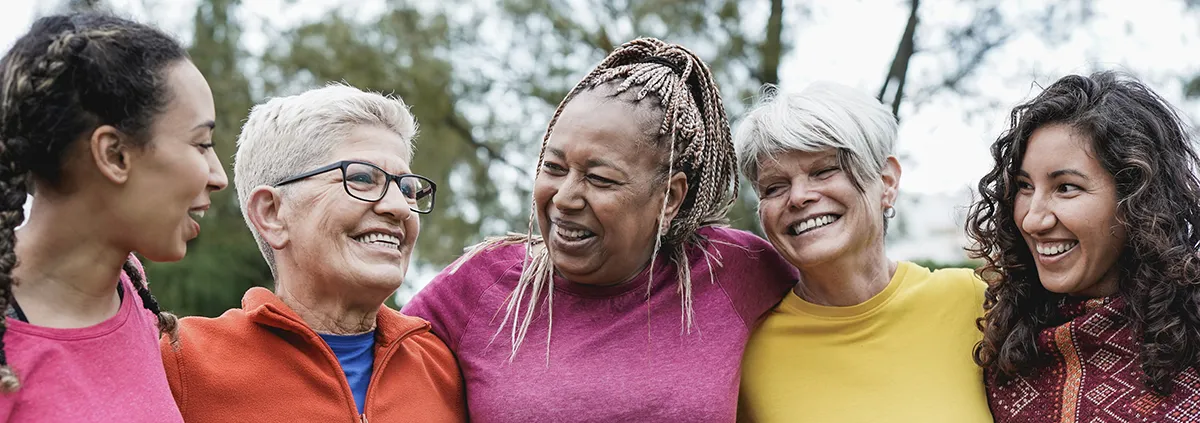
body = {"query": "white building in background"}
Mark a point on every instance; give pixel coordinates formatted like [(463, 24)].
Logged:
[(930, 227)]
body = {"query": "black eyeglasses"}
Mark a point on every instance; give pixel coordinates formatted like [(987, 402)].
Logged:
[(367, 182)]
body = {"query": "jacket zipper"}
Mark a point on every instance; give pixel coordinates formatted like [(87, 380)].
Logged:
[(387, 356)]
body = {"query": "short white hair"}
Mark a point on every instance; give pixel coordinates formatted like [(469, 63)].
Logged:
[(823, 116), (290, 135)]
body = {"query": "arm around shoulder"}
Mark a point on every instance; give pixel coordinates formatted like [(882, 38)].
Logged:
[(451, 298), (752, 273)]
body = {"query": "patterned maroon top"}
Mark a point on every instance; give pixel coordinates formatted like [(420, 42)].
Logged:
[(1095, 376)]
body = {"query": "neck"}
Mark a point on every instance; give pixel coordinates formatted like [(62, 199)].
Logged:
[(69, 268), (327, 311), (849, 280)]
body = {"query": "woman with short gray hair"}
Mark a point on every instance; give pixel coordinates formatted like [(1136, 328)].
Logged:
[(324, 182), (860, 328)]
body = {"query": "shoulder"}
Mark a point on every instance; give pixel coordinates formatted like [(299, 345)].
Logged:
[(208, 333), (450, 300), (735, 242), (478, 271), (958, 284)]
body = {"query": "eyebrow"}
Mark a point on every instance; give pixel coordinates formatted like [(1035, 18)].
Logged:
[(590, 163), (207, 124), (1058, 173)]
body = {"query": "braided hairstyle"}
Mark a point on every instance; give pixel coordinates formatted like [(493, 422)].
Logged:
[(69, 75), (1139, 139), (694, 129)]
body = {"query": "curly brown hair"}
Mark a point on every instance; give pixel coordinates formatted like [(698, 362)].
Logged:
[(1139, 139)]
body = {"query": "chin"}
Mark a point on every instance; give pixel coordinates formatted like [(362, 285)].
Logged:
[(165, 255)]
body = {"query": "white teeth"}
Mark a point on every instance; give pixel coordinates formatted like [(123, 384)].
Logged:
[(375, 237), (197, 213), (572, 233), (813, 223), (1055, 248)]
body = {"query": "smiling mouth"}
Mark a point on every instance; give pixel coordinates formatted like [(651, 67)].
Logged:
[(811, 224), (1052, 249), (573, 234), (384, 240)]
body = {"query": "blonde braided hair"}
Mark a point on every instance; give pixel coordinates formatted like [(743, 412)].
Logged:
[(694, 122)]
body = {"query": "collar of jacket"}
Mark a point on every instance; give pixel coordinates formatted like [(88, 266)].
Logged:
[(265, 308)]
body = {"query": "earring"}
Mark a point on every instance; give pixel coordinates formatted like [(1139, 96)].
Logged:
[(889, 212)]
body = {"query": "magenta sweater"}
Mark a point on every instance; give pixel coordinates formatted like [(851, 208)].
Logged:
[(614, 354), (108, 372)]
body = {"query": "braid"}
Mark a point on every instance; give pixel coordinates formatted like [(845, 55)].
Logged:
[(696, 131), (12, 213), (20, 85), (68, 75), (168, 323)]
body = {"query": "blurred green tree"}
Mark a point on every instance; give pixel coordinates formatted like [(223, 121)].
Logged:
[(224, 261)]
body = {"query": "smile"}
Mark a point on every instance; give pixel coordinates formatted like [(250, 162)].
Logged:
[(812, 224), (1051, 249), (379, 239), (572, 234)]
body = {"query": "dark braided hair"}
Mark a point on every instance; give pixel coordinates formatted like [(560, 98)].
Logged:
[(1139, 139), (69, 75), (695, 131)]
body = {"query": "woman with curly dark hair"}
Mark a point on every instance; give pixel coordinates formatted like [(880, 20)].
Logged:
[(1088, 226)]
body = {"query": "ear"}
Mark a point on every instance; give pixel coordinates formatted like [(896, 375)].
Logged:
[(677, 188), (110, 152), (891, 181), (263, 211)]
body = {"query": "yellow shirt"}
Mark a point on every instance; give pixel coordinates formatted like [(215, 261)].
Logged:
[(902, 356)]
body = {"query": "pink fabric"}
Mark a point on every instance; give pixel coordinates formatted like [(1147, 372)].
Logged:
[(618, 353), (109, 372)]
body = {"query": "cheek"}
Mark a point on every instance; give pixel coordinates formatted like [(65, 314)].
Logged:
[(543, 191), (768, 214), (413, 229), (1020, 209)]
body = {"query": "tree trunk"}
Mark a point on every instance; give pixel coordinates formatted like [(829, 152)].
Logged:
[(772, 48), (899, 70)]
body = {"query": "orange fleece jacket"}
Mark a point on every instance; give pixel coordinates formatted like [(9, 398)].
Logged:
[(262, 363)]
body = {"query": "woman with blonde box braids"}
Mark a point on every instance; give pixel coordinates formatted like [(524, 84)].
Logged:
[(109, 125), (633, 305)]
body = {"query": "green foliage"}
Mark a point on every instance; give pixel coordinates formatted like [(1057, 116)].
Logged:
[(481, 102), (223, 262), (404, 52)]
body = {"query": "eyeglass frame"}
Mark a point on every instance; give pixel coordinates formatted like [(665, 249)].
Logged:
[(342, 165)]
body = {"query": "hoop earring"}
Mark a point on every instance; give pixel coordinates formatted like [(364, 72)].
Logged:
[(889, 212)]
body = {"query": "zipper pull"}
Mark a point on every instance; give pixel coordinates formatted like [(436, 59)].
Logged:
[(363, 418)]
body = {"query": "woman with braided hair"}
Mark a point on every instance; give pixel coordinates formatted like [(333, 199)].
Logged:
[(108, 124), (1088, 224), (634, 304)]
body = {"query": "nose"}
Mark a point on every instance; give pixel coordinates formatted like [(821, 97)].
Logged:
[(216, 174), (800, 195), (569, 195), (394, 204), (1039, 217)]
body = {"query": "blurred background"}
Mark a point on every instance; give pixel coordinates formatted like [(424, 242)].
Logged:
[(483, 78)]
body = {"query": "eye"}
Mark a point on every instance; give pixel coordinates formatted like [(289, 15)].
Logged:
[(771, 190), (826, 172), (204, 147), (600, 181), (553, 169), (361, 177), (1069, 188), (1024, 186)]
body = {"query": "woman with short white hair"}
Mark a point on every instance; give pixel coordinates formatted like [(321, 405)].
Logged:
[(324, 182), (862, 337)]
